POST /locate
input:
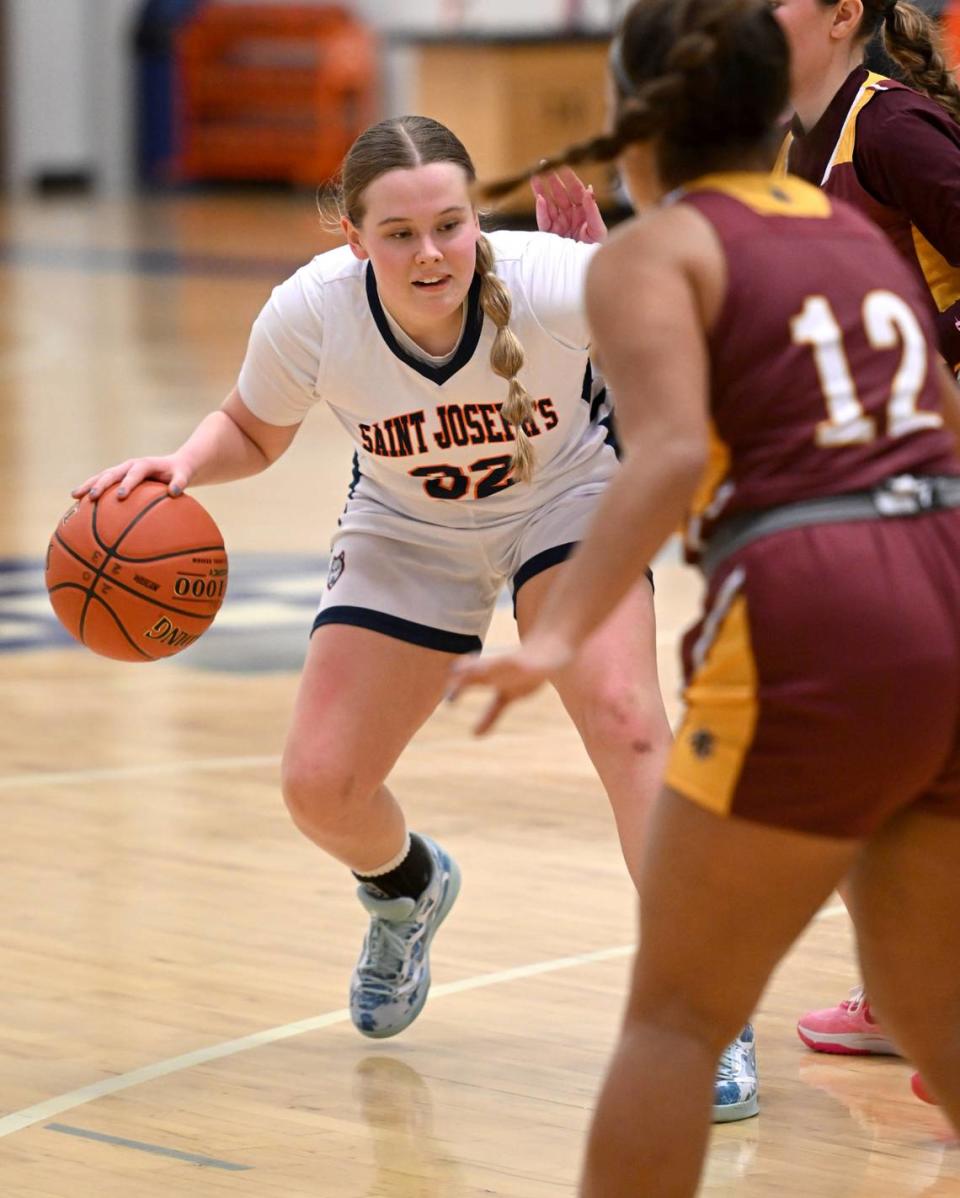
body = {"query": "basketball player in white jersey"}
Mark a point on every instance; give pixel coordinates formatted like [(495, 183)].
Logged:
[(458, 363)]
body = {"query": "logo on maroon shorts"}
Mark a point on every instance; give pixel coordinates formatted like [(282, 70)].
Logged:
[(336, 569)]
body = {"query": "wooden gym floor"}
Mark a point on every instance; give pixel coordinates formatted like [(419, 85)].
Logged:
[(174, 956)]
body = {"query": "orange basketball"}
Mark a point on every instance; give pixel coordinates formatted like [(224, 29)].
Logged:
[(140, 578)]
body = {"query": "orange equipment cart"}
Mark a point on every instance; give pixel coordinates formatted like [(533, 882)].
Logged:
[(272, 91), (951, 34)]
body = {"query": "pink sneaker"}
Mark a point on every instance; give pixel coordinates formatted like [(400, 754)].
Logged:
[(849, 1028), (921, 1091)]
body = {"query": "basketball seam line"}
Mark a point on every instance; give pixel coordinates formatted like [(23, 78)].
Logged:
[(159, 557), (98, 574), (109, 551), (178, 611), (113, 615), (126, 528), (114, 549)]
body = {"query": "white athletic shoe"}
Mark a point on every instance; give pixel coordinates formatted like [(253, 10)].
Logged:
[(735, 1088), (392, 977)]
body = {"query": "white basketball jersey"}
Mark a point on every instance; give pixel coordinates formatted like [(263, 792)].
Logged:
[(431, 440)]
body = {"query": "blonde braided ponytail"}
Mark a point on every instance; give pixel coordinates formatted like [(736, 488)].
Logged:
[(506, 359)]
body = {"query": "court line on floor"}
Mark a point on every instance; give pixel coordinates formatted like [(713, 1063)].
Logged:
[(29, 1116), (208, 1162), (72, 777), (41, 1111)]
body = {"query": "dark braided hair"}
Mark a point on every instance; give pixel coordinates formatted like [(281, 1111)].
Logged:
[(912, 39), (707, 78)]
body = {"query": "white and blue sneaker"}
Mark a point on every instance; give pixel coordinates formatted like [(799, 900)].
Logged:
[(735, 1087), (392, 978)]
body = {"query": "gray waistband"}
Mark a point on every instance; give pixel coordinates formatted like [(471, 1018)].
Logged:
[(904, 495)]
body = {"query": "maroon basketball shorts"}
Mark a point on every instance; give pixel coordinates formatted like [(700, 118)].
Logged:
[(823, 680)]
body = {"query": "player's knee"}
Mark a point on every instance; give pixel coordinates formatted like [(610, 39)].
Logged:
[(615, 721), (712, 1018), (711, 1031), (322, 791)]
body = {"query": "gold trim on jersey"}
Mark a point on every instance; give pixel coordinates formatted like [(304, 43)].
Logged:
[(707, 757), (843, 150), (942, 278), (715, 474), (780, 166), (767, 194)]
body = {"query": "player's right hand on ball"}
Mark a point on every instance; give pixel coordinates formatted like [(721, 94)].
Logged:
[(132, 472)]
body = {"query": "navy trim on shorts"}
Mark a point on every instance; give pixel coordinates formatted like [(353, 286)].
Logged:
[(546, 561), (538, 563), (399, 629)]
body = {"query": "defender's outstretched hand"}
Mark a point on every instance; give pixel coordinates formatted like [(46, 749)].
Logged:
[(567, 208), (512, 675)]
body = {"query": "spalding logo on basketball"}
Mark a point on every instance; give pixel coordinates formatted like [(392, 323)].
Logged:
[(136, 579)]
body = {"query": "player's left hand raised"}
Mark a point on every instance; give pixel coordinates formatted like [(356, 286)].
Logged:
[(568, 208), (512, 675)]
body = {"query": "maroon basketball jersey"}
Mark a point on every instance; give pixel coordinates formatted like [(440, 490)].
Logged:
[(895, 155), (823, 358)]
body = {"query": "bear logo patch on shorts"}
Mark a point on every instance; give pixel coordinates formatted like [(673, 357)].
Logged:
[(336, 569)]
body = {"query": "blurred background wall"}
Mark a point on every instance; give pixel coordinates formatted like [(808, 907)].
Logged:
[(70, 71), (77, 88)]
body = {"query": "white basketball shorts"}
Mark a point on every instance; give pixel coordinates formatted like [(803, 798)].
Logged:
[(436, 586)]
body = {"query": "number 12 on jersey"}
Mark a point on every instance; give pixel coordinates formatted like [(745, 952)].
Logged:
[(888, 321)]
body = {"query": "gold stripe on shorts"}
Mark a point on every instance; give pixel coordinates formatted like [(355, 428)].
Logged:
[(721, 715)]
